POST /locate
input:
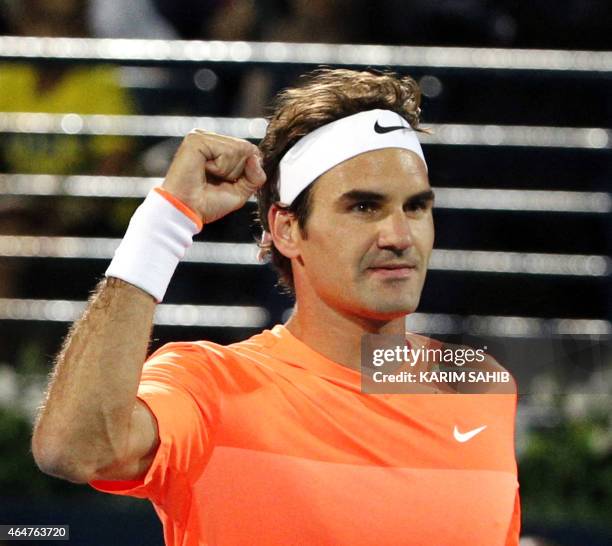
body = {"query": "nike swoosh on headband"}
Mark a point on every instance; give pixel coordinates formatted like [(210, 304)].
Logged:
[(382, 130), (342, 139)]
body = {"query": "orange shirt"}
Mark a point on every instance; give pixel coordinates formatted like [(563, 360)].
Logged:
[(266, 442)]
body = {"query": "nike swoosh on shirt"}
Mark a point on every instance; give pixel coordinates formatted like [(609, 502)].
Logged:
[(382, 130), (465, 436)]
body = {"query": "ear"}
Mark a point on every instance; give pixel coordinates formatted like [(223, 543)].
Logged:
[(284, 230)]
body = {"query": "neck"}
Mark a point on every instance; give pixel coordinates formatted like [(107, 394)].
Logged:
[(336, 335)]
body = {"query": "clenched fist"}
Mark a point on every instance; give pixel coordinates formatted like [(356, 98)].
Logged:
[(214, 174)]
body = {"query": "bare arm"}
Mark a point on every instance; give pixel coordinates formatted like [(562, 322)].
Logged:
[(90, 420), (91, 425)]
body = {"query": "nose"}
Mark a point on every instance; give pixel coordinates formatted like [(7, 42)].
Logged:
[(395, 232)]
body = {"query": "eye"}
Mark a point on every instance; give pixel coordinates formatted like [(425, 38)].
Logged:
[(365, 207), (418, 205)]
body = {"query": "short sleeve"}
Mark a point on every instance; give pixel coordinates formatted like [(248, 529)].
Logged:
[(179, 388)]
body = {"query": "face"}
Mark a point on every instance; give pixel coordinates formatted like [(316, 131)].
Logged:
[(369, 236)]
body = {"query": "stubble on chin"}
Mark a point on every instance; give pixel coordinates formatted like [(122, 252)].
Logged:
[(387, 302)]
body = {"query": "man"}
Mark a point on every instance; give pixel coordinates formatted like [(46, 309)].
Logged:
[(271, 440)]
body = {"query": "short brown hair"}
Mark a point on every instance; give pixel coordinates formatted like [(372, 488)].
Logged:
[(324, 95)]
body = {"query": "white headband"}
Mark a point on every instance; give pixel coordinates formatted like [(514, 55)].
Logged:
[(327, 146)]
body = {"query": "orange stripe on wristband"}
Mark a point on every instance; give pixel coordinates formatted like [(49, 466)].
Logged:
[(187, 211)]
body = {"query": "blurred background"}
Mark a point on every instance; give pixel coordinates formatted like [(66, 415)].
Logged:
[(96, 94)]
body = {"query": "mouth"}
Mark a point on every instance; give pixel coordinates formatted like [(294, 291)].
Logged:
[(393, 271)]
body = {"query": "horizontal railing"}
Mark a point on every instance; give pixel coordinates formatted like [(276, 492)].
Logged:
[(447, 134), (476, 261), (446, 198), (228, 316), (156, 51), (222, 316)]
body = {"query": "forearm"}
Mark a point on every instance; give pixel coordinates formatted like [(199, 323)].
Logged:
[(84, 422), (90, 424)]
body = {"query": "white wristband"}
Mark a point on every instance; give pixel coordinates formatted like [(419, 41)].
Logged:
[(156, 239)]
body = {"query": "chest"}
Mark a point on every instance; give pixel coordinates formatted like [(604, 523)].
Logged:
[(322, 421), (317, 463)]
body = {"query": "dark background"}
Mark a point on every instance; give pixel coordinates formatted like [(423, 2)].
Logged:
[(558, 344)]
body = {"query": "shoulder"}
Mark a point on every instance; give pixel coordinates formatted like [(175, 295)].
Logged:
[(205, 358), (188, 349), (209, 351), (183, 361)]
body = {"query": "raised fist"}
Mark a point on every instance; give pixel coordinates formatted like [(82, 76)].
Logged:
[(214, 174)]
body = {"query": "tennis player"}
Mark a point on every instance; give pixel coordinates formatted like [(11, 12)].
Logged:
[(271, 441)]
